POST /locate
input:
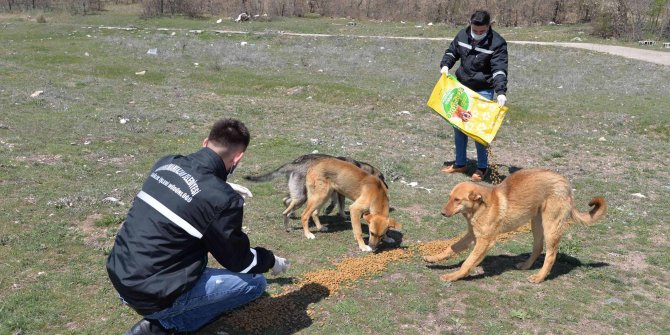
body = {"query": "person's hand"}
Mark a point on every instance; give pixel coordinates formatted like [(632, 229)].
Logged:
[(281, 265), (444, 70), (502, 99), (243, 191)]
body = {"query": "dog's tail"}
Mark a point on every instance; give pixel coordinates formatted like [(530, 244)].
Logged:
[(280, 171), (298, 165), (599, 205)]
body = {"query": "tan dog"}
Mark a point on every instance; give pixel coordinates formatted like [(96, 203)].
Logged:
[(368, 192), (537, 196)]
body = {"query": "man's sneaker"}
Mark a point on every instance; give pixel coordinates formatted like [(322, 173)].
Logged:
[(478, 175), (147, 327), (453, 169)]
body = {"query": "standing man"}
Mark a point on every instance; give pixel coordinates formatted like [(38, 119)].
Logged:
[(483, 56), (185, 210)]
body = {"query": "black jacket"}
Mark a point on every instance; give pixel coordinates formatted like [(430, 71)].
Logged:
[(184, 210), (484, 65)]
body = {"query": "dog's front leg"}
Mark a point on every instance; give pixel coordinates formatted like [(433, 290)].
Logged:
[(464, 243), (482, 246), (356, 214)]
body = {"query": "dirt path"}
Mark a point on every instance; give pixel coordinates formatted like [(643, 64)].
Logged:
[(658, 57), (652, 56)]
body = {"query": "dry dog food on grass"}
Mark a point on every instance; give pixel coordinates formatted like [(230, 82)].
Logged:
[(291, 310)]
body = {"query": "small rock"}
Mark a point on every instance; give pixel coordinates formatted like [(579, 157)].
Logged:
[(243, 43), (141, 73), (36, 94), (413, 184), (110, 199), (405, 113), (219, 20), (152, 52), (639, 195), (602, 139), (86, 54), (123, 121)]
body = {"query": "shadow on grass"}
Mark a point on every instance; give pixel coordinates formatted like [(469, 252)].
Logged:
[(496, 265), (284, 314)]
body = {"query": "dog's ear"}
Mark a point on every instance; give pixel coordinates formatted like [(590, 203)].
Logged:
[(394, 224), (475, 196)]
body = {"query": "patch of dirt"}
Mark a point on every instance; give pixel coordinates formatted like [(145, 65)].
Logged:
[(595, 327), (635, 261), (416, 211), (40, 159), (93, 236)]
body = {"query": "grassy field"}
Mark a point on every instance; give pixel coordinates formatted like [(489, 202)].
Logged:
[(602, 121)]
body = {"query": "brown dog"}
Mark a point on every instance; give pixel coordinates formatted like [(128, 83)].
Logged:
[(368, 192), (537, 196)]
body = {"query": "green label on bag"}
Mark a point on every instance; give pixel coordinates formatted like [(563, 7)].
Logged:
[(454, 98)]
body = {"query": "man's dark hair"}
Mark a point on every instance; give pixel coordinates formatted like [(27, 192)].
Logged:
[(480, 18), (230, 133)]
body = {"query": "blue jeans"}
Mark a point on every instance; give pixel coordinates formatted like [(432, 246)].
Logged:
[(461, 141), (216, 292)]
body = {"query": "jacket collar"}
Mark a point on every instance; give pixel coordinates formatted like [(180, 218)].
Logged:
[(211, 162)]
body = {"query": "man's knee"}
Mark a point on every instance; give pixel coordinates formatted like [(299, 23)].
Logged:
[(259, 284)]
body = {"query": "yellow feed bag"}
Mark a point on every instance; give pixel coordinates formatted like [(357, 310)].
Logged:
[(466, 110)]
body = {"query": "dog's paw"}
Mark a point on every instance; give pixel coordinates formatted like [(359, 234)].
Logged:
[(535, 279), (450, 277), (366, 248), (310, 236)]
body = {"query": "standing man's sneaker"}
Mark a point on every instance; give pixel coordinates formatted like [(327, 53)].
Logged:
[(453, 169), (148, 327)]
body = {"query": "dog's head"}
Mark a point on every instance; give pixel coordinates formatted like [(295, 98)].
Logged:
[(378, 225), (464, 198)]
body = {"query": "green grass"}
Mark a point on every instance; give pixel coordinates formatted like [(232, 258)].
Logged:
[(595, 118)]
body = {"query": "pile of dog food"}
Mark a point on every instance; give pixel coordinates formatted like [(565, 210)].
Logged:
[(291, 311)]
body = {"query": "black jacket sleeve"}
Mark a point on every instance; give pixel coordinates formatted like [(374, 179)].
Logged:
[(499, 69), (451, 55), (226, 241)]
